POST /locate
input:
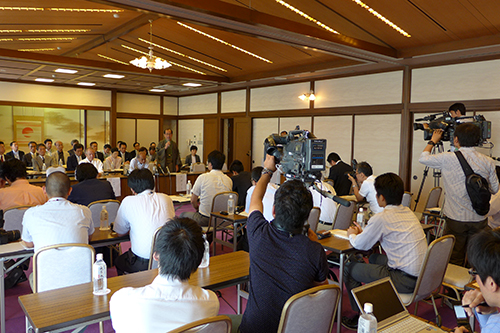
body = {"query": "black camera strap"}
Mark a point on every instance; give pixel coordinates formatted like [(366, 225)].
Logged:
[(463, 162)]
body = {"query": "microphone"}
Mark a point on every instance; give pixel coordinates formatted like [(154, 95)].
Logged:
[(161, 169), (335, 198)]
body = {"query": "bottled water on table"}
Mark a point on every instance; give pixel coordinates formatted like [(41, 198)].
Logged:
[(230, 205), (104, 219), (99, 274), (188, 188), (367, 322)]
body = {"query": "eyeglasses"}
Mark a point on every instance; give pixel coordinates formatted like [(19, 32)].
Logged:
[(472, 272)]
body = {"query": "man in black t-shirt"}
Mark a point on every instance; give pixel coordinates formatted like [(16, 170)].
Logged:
[(283, 261), (338, 169)]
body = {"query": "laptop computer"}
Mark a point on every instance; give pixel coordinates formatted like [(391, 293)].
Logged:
[(388, 308)]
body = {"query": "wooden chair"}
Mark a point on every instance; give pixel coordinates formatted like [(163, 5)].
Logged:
[(312, 310), (14, 217), (313, 218), (218, 324)]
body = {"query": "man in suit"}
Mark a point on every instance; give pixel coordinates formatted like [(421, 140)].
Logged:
[(338, 169), (3, 158), (168, 152), (124, 154), (89, 188), (42, 158), (59, 154), (98, 154), (134, 153), (48, 146), (15, 152), (76, 158), (242, 181), (73, 143), (190, 157), (29, 157)]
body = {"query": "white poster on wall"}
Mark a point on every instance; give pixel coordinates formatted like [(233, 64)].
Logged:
[(180, 182)]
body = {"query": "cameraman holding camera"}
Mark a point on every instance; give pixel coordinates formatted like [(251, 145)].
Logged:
[(462, 221)]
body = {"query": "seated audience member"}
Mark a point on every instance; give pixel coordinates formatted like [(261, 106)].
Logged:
[(283, 261), (15, 152), (60, 155), (401, 237), (58, 221), (338, 170), (76, 158), (140, 215), (153, 144), (170, 301), (73, 149), (134, 152), (206, 186), (89, 188), (48, 146), (193, 157), (363, 186), (494, 213), (42, 158), (124, 154), (242, 181), (114, 161), (328, 206), (98, 154), (31, 155), (107, 151), (90, 158), (152, 154), (140, 161), (3, 158), (20, 192), (267, 200), (484, 256)]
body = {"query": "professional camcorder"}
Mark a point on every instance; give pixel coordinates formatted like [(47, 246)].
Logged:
[(299, 154), (448, 124), (7, 236)]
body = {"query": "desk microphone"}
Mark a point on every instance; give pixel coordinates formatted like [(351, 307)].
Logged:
[(161, 169), (335, 198)]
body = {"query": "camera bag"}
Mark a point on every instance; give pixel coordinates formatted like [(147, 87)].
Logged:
[(477, 186)]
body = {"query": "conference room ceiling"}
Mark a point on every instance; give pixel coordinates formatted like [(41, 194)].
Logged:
[(231, 44)]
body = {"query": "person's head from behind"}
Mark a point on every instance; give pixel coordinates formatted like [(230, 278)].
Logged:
[(216, 160), (256, 173), (86, 171), (483, 253), (457, 110), (179, 248), (193, 150), (236, 167), (141, 157), (363, 171), (13, 170), (292, 204), (78, 148), (467, 135), (390, 189), (141, 180), (57, 185), (333, 158)]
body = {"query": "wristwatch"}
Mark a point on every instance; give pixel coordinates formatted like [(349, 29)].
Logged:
[(267, 171), (431, 143)]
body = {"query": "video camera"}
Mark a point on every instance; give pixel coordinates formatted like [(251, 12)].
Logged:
[(299, 154), (448, 124), (7, 236)]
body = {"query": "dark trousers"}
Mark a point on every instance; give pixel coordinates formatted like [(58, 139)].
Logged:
[(462, 231), (356, 273), (130, 263)]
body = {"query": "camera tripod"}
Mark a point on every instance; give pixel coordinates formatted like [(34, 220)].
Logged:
[(436, 173)]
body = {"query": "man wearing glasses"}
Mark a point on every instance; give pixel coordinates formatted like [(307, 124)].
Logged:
[(366, 188)]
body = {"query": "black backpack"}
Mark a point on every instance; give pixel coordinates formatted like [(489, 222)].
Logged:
[(477, 187)]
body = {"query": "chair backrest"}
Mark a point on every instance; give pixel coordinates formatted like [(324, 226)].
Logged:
[(433, 198), (153, 263), (198, 167), (14, 217), (434, 267), (62, 265), (96, 207), (313, 218), (312, 310), (406, 199), (218, 324), (219, 201), (343, 218)]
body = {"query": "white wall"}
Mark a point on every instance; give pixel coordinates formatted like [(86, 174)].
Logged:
[(188, 128), (200, 104), (262, 128), (289, 123), (283, 97), (337, 130), (170, 105), (233, 101), (137, 103)]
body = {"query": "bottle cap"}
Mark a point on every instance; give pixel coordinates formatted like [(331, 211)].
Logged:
[(99, 257), (368, 307)]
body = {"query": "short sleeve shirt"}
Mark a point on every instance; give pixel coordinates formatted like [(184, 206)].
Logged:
[(367, 190), (280, 267), (207, 186)]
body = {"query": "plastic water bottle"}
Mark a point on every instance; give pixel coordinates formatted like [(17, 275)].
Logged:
[(367, 322), (360, 217), (44, 167), (206, 255), (188, 188), (104, 219), (99, 272), (230, 205), (60, 162)]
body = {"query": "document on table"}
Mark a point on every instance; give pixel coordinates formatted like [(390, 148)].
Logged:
[(115, 184), (339, 233)]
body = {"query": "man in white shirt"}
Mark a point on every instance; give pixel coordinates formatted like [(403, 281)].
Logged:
[(207, 186), (140, 161), (365, 189), (170, 301), (268, 200), (140, 215), (401, 237), (328, 206), (90, 158)]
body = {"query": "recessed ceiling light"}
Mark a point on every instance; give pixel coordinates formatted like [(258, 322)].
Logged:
[(157, 90), (113, 76), (66, 71), (190, 84), (44, 80), (89, 84)]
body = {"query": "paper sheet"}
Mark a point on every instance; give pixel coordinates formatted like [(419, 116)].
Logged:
[(180, 182), (115, 184)]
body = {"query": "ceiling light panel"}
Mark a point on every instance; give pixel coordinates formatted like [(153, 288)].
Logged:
[(382, 18), (304, 15), (113, 76), (113, 59), (157, 90), (79, 10), (66, 71), (88, 84), (44, 80), (37, 50), (190, 84)]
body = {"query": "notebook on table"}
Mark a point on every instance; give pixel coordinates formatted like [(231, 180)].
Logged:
[(388, 308)]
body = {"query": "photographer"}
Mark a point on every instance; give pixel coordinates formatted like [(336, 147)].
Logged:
[(462, 221), (366, 187)]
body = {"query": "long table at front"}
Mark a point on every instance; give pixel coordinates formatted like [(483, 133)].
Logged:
[(66, 308)]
